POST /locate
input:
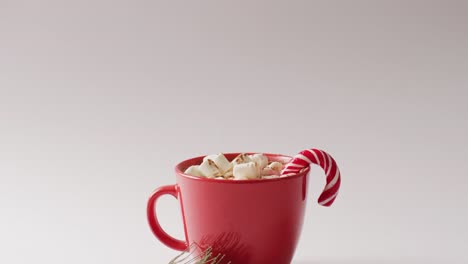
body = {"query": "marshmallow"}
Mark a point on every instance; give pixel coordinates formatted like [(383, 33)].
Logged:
[(269, 171), (194, 171), (209, 169), (242, 167), (221, 162), (276, 166), (241, 158), (260, 159), (228, 174), (246, 171), (270, 177)]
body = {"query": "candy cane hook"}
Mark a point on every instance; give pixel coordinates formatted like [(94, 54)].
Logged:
[(319, 157)]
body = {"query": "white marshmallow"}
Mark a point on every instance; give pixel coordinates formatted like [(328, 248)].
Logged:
[(260, 159), (246, 171), (270, 177), (220, 160), (194, 171), (269, 171), (228, 173), (276, 166), (240, 159), (209, 169)]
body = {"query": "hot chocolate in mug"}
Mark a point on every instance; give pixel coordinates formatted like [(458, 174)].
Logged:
[(248, 221)]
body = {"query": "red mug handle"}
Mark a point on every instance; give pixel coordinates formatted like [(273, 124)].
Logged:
[(165, 238)]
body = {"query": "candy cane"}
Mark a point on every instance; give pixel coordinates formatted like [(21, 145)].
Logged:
[(319, 157)]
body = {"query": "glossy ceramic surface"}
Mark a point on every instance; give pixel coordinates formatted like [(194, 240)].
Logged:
[(251, 222)]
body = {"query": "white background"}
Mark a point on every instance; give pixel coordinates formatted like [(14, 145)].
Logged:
[(100, 99)]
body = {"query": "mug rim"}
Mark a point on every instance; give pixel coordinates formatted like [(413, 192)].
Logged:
[(179, 172)]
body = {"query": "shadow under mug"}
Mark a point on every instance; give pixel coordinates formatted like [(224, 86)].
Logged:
[(250, 222)]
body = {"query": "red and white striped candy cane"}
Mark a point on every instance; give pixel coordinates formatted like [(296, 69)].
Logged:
[(315, 156)]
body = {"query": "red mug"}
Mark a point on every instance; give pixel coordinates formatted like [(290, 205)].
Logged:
[(250, 222)]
